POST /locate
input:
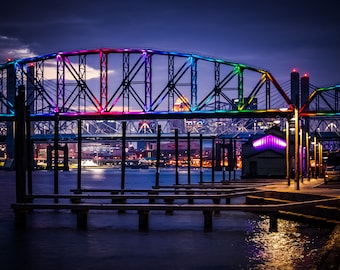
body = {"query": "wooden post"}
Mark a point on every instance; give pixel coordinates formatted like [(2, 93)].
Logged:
[(143, 219), (213, 160), (230, 157), (301, 154), (29, 152), (56, 155), (20, 142), (158, 155), (307, 156), (273, 222), (19, 219), (217, 201), (82, 219), (234, 160), (122, 183), (223, 156), (176, 155), (79, 155), (169, 201), (188, 157), (201, 158), (287, 153), (65, 150), (207, 220)]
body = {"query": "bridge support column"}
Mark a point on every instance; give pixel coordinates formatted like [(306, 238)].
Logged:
[(207, 220), (143, 219)]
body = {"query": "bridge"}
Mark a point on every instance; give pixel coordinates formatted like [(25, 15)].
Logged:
[(138, 84), (110, 92)]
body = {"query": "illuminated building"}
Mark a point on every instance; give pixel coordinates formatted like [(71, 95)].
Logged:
[(264, 155)]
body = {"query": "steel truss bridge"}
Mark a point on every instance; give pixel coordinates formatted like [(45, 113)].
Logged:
[(146, 88)]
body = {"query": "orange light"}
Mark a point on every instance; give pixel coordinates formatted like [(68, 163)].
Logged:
[(9, 59), (305, 75), (294, 70)]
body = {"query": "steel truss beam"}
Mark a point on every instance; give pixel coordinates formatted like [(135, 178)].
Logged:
[(74, 94), (141, 88), (323, 102)]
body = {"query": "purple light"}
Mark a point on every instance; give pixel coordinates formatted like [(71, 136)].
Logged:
[(269, 142)]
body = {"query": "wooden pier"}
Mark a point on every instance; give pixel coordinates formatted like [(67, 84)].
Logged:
[(205, 200)]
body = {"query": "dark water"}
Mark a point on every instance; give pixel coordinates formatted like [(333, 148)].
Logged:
[(112, 241)]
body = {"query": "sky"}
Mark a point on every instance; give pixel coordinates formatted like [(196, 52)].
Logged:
[(276, 36)]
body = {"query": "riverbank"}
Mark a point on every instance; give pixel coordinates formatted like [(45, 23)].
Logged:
[(330, 253)]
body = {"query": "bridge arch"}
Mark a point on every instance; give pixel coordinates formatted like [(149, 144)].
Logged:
[(140, 81)]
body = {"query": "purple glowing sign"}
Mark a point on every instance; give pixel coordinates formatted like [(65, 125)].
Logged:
[(269, 142)]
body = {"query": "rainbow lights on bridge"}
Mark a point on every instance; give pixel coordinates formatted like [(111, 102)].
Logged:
[(139, 81), (136, 84)]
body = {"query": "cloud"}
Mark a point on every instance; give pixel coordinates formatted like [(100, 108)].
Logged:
[(11, 47), (50, 72)]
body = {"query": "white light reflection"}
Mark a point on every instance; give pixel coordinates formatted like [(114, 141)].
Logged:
[(293, 246), (97, 174)]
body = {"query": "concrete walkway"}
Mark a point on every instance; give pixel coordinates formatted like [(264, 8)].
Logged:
[(312, 186), (330, 257)]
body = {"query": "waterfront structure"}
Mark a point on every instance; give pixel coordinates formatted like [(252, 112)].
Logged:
[(264, 156)]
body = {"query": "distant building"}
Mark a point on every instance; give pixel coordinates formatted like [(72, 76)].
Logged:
[(264, 156)]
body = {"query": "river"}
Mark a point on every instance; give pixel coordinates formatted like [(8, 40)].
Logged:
[(239, 240)]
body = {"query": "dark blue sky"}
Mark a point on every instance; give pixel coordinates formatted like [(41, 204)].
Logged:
[(274, 35)]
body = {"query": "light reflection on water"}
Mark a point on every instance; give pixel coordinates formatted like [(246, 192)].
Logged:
[(293, 246)]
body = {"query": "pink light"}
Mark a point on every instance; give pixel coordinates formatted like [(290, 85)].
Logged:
[(269, 142)]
